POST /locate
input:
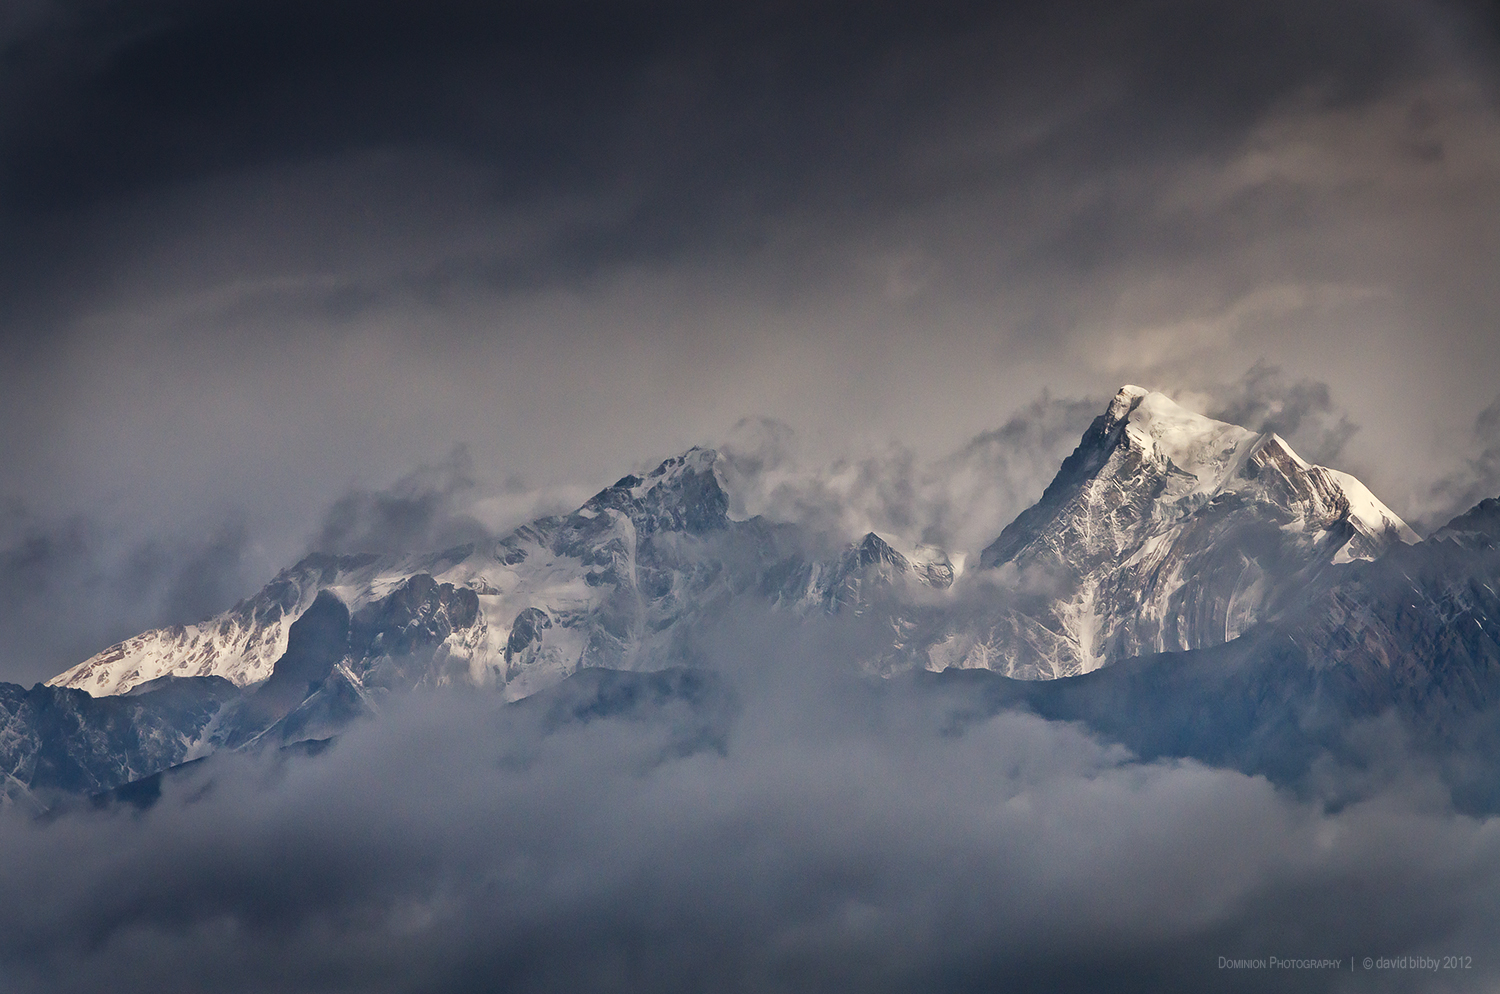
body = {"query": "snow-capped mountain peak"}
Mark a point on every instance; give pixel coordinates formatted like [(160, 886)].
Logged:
[(1170, 530), (1148, 462), (1198, 447), (1164, 530), (683, 493), (592, 587)]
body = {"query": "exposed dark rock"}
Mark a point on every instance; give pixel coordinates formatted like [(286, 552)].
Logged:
[(316, 642), (526, 631), (57, 740), (1478, 527)]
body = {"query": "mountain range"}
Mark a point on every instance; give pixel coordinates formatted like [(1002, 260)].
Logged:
[(1184, 586)]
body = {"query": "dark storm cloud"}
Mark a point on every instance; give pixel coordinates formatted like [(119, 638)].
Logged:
[(140, 95), (847, 836), (583, 234), (682, 127)]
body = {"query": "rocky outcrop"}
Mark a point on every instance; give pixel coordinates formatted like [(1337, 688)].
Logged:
[(55, 740)]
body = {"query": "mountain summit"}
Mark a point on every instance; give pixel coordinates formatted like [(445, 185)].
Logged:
[(1165, 530)]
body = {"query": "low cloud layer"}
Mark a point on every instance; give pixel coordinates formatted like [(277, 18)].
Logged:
[(846, 836)]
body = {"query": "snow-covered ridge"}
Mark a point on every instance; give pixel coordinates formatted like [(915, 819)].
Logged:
[(1164, 530), (1206, 458), (619, 582), (243, 643)]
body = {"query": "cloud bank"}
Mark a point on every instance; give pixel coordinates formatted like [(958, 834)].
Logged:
[(833, 834)]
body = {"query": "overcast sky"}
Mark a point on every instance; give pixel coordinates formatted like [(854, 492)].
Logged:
[(260, 260)]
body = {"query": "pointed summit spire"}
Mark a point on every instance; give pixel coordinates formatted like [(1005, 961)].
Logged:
[(681, 494), (1166, 530)]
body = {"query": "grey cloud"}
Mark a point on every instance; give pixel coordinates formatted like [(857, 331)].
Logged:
[(184, 581), (1000, 473), (957, 501), (424, 510), (1301, 410), (73, 586), (846, 837), (768, 473), (1478, 479), (210, 579), (39, 558)]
